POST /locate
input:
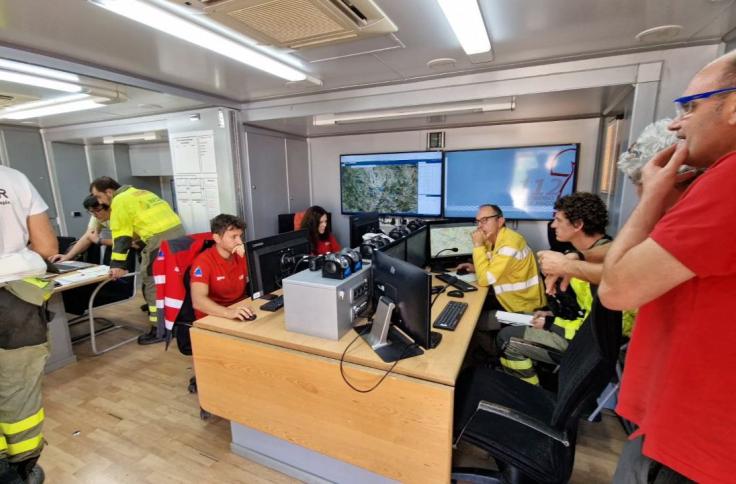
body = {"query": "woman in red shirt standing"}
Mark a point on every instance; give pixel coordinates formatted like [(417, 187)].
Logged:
[(321, 240)]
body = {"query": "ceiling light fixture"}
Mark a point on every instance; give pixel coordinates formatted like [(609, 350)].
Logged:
[(38, 71), (172, 24), (415, 111), (467, 23), (53, 109), (33, 80), (44, 102), (149, 136)]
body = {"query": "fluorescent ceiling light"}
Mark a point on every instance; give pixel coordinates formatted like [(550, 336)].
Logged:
[(467, 23), (31, 80), (414, 111), (53, 109), (44, 102), (38, 71), (191, 32), (149, 136)]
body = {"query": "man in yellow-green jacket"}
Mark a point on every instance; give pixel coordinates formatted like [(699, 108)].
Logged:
[(137, 213), (502, 259)]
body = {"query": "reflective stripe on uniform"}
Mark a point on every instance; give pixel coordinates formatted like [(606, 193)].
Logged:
[(25, 445), (516, 254), (534, 380), (173, 303), (23, 425), (159, 303), (169, 324), (524, 364), (3, 443), (118, 256), (491, 278), (517, 286), (159, 279)]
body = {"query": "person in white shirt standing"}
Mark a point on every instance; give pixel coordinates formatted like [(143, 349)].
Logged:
[(26, 230)]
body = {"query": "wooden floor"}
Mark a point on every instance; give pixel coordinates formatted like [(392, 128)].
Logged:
[(126, 417)]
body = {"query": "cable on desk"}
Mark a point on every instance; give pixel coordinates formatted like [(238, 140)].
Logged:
[(368, 390), (438, 295)]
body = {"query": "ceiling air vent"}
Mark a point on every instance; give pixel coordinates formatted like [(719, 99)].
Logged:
[(295, 24)]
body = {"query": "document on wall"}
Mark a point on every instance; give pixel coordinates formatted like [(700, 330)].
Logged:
[(515, 319), (193, 152), (198, 200)]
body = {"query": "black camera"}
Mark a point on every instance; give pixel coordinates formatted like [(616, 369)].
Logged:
[(336, 266), (356, 261), (316, 262)]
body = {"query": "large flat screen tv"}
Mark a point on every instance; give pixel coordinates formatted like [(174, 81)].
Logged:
[(404, 184), (524, 181)]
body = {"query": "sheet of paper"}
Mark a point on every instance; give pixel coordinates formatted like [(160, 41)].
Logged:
[(516, 319)]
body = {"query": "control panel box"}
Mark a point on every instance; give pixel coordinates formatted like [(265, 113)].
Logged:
[(323, 307)]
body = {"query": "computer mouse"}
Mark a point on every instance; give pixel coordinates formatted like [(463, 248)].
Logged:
[(250, 318), (462, 271), (455, 293)]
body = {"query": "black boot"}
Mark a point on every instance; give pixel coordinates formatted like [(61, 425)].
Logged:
[(29, 471), (8, 473), (149, 338)]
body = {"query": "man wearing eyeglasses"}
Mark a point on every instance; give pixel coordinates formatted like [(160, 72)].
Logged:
[(98, 230), (502, 259), (679, 266)]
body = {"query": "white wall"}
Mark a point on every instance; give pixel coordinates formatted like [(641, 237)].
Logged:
[(325, 158)]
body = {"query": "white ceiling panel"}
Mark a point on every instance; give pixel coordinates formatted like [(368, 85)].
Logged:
[(523, 32)]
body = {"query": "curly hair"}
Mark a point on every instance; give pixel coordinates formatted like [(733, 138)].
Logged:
[(587, 208)]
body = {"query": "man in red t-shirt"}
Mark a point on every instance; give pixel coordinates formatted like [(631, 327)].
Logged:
[(219, 274), (679, 266)]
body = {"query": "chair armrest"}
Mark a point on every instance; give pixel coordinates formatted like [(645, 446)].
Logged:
[(518, 417), (536, 351)]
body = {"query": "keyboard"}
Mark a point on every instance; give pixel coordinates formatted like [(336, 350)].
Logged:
[(274, 304), (455, 282), (450, 316)]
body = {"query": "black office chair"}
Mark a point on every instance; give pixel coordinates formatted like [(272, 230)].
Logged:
[(531, 432), (65, 243)]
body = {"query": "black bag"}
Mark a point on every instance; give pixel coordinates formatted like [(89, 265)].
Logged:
[(564, 304), (21, 323)]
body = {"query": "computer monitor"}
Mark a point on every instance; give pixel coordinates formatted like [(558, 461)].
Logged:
[(525, 181), (362, 224), (402, 294), (266, 259), (446, 235), (392, 183), (396, 249), (416, 247)]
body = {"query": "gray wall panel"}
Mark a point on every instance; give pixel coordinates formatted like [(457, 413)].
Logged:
[(71, 173), (24, 148), (266, 158)]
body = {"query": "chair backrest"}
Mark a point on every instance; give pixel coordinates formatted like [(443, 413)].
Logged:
[(587, 365), (65, 243)]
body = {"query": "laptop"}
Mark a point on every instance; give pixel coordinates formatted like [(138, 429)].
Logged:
[(64, 267)]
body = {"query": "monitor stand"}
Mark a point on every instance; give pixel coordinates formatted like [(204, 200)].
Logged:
[(387, 341)]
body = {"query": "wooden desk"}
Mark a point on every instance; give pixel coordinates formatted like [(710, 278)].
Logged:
[(288, 385)]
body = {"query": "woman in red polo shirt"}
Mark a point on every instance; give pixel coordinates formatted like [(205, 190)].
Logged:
[(219, 275), (321, 241)]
